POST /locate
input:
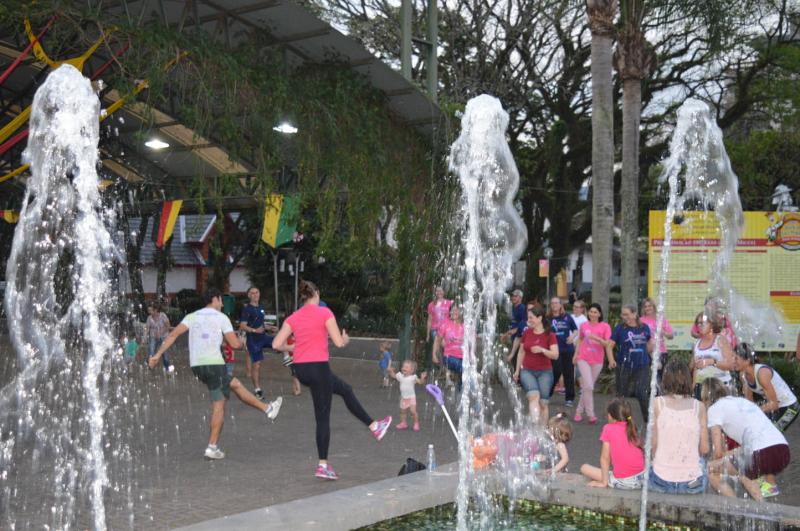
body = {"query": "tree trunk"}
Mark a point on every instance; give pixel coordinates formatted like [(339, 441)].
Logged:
[(631, 117), (634, 61), (601, 21)]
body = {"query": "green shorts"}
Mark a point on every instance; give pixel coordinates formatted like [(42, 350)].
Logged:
[(216, 379)]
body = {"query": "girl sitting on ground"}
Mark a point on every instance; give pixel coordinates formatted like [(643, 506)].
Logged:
[(408, 398), (561, 431), (680, 436), (743, 422), (621, 457), (780, 403)]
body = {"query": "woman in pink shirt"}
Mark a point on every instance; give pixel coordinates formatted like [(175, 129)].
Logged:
[(648, 317), (451, 339), (592, 344), (311, 325)]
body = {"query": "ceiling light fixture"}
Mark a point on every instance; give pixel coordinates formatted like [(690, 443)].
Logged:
[(286, 128), (155, 143)]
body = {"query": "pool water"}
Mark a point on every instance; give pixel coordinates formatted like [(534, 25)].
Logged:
[(527, 515)]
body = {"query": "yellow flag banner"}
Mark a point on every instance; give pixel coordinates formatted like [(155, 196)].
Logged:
[(9, 216), (280, 219)]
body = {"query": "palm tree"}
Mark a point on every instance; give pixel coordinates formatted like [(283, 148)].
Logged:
[(634, 60), (601, 15)]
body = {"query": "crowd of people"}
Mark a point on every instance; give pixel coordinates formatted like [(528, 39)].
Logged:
[(730, 408), (719, 417)]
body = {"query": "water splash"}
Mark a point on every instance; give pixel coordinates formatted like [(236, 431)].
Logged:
[(58, 300), (493, 237), (699, 175)]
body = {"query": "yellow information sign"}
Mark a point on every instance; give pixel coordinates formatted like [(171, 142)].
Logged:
[(765, 268)]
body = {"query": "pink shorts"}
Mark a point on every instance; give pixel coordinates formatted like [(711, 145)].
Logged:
[(406, 403)]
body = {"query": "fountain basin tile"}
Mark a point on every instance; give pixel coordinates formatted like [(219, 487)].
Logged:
[(390, 498)]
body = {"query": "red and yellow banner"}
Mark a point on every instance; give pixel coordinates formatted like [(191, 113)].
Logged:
[(164, 224), (9, 216)]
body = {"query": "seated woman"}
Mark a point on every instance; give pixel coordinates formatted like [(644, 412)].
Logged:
[(742, 421), (779, 402), (680, 437)]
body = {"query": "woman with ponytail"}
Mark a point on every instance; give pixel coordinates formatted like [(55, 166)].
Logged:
[(312, 325), (621, 458), (779, 402)]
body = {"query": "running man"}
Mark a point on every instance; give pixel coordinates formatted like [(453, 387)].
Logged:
[(207, 328), (252, 322)]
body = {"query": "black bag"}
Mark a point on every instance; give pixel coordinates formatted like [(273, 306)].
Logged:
[(412, 465)]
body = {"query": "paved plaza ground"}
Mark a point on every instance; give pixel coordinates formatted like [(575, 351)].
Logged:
[(172, 484)]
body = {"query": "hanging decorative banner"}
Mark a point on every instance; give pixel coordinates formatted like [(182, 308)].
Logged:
[(9, 216), (544, 268), (165, 220), (280, 219)]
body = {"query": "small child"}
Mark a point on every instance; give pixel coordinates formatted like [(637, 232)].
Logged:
[(561, 431), (622, 458), (386, 362), (408, 399)]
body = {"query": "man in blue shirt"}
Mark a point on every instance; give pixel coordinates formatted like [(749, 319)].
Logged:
[(633, 343), (252, 322)]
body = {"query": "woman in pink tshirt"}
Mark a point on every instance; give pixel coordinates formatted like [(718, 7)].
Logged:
[(451, 338), (648, 317), (311, 325), (593, 343)]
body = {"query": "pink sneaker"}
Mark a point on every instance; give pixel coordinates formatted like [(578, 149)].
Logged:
[(578, 417), (416, 426), (592, 420), (381, 426), (326, 472), (402, 426)]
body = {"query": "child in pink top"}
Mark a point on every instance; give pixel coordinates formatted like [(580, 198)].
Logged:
[(449, 340), (621, 458), (593, 343)]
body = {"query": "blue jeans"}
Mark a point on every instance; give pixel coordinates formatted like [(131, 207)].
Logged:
[(152, 348), (696, 486), (540, 382)]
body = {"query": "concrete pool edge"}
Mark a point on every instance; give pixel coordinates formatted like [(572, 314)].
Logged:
[(389, 498)]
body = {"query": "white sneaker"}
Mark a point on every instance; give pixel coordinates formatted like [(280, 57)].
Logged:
[(171, 369), (274, 408), (214, 453)]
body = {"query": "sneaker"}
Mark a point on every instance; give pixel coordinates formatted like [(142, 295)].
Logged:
[(274, 408), (402, 426), (259, 394), (214, 453), (171, 369), (326, 472), (768, 490), (381, 426), (578, 417), (569, 403), (416, 426), (592, 420)]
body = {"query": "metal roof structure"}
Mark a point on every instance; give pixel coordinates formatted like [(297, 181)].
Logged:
[(304, 37)]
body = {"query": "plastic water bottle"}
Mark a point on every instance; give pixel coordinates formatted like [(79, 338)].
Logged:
[(431, 459)]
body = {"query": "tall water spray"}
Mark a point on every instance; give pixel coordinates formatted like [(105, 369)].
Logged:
[(699, 175), (57, 301), (494, 236)]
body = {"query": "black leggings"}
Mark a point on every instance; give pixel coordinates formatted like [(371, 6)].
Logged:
[(324, 384)]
